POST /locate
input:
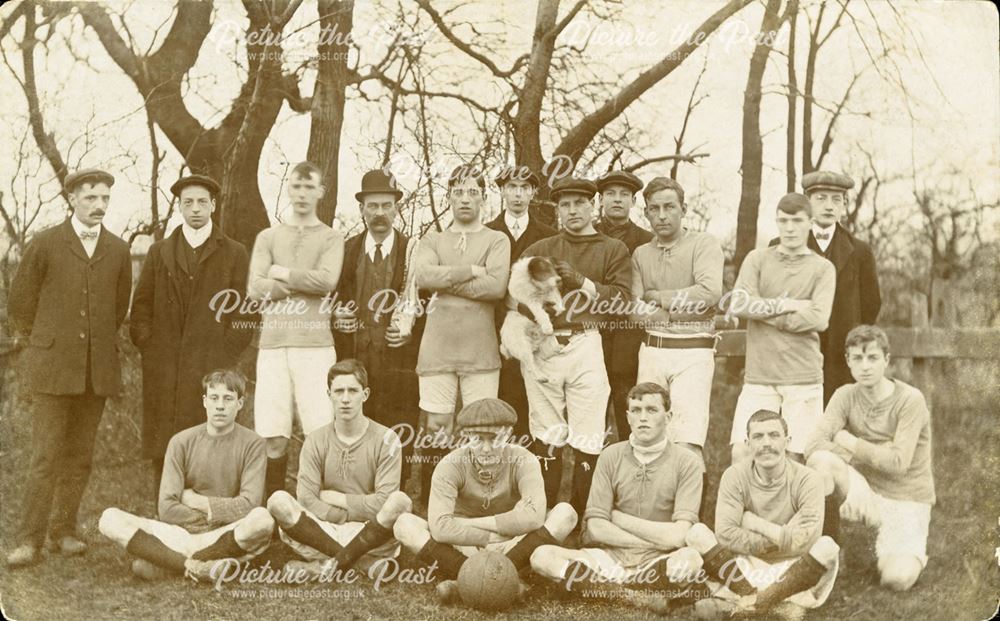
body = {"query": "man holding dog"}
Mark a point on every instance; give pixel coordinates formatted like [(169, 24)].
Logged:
[(568, 398)]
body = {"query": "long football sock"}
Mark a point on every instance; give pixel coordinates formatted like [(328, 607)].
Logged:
[(307, 531), (720, 564), (520, 554), (449, 559), (224, 547), (371, 536), (803, 574), (147, 547)]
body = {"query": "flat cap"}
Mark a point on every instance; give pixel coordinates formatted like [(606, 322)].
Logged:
[(826, 180), (517, 173), (573, 185), (486, 414), (794, 203), (88, 175), (200, 180), (620, 177)]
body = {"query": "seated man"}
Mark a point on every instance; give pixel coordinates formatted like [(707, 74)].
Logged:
[(769, 522), (210, 494), (487, 494), (872, 449), (348, 489), (644, 498)]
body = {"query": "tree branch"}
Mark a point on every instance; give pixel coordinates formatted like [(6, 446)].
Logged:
[(690, 158), (463, 46)]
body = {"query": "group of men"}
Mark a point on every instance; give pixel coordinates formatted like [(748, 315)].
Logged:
[(638, 331)]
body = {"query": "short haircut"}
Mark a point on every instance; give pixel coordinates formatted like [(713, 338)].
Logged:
[(859, 336), (349, 366), (663, 183), (307, 169), (762, 416), (464, 172), (230, 378), (794, 203), (649, 388)]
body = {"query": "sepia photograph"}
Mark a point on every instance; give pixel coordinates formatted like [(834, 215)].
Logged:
[(515, 309)]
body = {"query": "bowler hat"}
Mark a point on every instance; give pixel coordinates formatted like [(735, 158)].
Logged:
[(378, 182), (87, 175), (200, 180)]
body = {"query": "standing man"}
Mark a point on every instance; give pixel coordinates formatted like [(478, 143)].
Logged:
[(348, 494), (295, 265), (785, 293), (568, 400), (209, 505), (466, 266), (518, 185), (769, 522), (177, 322), (680, 273), (857, 300), (69, 297), (372, 281), (872, 449), (621, 345)]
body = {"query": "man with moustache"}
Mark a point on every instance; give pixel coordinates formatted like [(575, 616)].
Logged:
[(69, 297), (680, 274), (872, 449), (857, 300), (768, 545), (785, 293), (467, 265), (174, 320), (643, 501), (518, 185), (348, 497), (295, 265), (617, 189), (209, 503), (487, 495), (375, 265), (568, 399)]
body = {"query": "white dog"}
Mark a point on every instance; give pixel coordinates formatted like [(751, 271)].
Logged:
[(535, 285)]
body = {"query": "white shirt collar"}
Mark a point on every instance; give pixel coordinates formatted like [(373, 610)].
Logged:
[(386, 244), (819, 229), (80, 227), (509, 219), (196, 237)]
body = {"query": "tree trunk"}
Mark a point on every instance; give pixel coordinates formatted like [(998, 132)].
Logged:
[(793, 87), (329, 99), (753, 159)]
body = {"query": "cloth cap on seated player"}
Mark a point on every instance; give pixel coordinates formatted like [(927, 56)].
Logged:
[(486, 415), (794, 202), (573, 185), (620, 177), (826, 180), (199, 180), (378, 182), (517, 173), (88, 175)]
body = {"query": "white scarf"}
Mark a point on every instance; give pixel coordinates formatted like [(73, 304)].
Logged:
[(646, 454)]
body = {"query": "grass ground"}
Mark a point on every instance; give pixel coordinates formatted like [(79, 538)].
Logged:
[(962, 580)]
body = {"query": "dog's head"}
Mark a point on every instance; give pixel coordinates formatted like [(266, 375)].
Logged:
[(546, 282)]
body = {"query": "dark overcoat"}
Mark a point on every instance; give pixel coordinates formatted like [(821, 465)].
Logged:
[(179, 347), (70, 307)]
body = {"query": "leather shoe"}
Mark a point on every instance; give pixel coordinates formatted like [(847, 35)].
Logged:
[(68, 546), (22, 556)]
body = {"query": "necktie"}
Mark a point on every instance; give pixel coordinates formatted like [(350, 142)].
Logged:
[(378, 253), (88, 235), (821, 236), (516, 230)]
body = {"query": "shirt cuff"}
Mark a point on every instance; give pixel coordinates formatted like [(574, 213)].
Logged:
[(589, 287)]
